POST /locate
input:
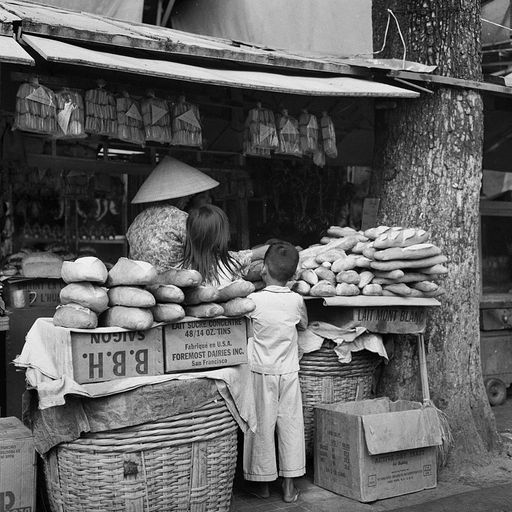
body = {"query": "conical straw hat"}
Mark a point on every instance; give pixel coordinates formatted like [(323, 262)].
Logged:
[(170, 179)]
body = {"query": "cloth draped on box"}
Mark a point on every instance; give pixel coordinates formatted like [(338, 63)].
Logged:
[(46, 358), (348, 339)]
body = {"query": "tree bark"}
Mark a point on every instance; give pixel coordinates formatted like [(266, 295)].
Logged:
[(428, 164)]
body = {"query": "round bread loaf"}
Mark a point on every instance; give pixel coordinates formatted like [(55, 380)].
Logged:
[(168, 312), (41, 264), (134, 319), (74, 316), (130, 296), (86, 295), (131, 273), (88, 268)]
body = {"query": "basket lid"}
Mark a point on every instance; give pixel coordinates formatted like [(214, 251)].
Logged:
[(172, 178)]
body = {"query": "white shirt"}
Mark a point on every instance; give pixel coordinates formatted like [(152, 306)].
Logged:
[(273, 348)]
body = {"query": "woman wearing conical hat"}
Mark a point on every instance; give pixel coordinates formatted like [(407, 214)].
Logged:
[(157, 235)]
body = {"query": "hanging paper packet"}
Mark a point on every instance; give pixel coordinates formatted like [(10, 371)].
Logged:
[(328, 136), (309, 132), (288, 135), (129, 120), (100, 111), (70, 114), (157, 119), (319, 155), (36, 109), (260, 133), (186, 124)]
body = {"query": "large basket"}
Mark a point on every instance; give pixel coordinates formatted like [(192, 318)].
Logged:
[(324, 380), (182, 463)]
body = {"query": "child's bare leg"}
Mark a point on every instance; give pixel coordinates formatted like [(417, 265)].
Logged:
[(290, 492)]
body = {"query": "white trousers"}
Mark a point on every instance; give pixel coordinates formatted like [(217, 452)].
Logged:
[(279, 410)]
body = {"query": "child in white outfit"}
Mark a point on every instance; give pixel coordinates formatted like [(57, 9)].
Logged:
[(274, 362)]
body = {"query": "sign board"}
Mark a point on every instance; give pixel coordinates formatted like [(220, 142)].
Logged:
[(200, 344), (376, 449), (377, 319), (107, 355), (44, 291), (17, 467)]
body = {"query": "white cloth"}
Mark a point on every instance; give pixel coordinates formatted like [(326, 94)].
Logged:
[(348, 340), (279, 410), (273, 348), (46, 356)]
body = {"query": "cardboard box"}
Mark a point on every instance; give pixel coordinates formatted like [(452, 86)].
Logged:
[(375, 449), (200, 344), (44, 291), (107, 354), (17, 467)]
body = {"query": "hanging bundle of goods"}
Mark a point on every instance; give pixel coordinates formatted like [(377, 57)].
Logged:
[(288, 135), (186, 124), (100, 112), (389, 261), (36, 109), (328, 136), (260, 133), (132, 295), (129, 120), (157, 119), (309, 133), (319, 154), (70, 114)]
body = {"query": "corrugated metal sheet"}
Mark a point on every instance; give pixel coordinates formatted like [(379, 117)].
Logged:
[(58, 51), (89, 28), (11, 52)]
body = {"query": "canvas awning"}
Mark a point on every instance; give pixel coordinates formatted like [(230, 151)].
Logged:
[(12, 53), (65, 53)]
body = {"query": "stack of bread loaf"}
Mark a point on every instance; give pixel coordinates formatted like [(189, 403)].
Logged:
[(390, 261), (84, 298), (133, 296), (206, 301)]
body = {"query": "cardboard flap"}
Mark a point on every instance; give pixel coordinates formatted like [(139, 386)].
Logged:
[(404, 430)]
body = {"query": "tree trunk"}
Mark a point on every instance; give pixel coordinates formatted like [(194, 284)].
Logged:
[(428, 163)]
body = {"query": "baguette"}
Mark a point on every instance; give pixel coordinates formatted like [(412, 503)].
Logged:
[(425, 286), (412, 252), (401, 238), (398, 289), (330, 256), (436, 269), (347, 263), (401, 264), (390, 274), (340, 232)]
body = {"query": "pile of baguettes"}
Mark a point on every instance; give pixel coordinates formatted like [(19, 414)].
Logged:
[(389, 261), (133, 296)]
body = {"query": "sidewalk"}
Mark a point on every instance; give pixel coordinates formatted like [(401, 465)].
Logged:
[(477, 496)]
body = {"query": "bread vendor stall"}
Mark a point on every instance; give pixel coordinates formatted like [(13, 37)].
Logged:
[(143, 411)]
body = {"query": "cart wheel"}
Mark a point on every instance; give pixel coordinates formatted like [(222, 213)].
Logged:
[(496, 391)]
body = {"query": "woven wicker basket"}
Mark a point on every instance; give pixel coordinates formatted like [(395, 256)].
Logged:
[(324, 380), (182, 463)]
